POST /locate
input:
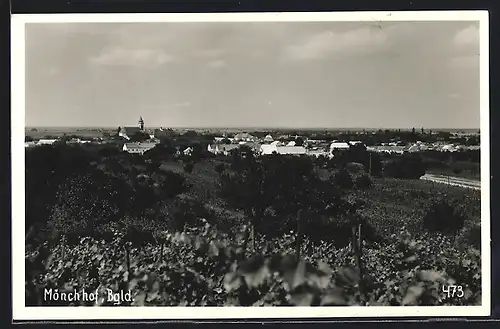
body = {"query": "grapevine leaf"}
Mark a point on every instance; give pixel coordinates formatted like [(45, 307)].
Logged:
[(140, 299), (410, 259), (432, 276), (213, 249), (349, 276), (324, 267), (258, 277), (333, 297), (252, 265), (302, 299), (296, 277), (412, 295), (232, 281)]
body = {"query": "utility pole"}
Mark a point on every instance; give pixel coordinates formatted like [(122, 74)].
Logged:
[(370, 166)]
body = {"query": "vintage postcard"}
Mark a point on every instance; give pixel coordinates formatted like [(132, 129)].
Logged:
[(237, 165)]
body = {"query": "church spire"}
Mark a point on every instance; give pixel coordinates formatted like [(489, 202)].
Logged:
[(141, 123)]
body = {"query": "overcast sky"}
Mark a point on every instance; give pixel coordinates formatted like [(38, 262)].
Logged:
[(304, 74)]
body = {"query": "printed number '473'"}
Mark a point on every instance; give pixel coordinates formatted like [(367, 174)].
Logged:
[(453, 291)]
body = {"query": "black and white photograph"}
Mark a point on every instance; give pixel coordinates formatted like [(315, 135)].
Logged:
[(250, 160)]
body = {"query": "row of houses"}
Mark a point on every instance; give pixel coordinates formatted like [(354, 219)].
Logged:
[(138, 148), (279, 148), (420, 147), (45, 141), (141, 148), (40, 142)]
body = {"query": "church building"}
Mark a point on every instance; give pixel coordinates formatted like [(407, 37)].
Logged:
[(127, 132)]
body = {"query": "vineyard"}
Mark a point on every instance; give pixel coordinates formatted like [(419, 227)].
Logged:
[(249, 232)]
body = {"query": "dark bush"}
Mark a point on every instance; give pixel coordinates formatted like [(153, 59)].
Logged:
[(219, 168), (108, 151), (85, 201), (343, 179), (338, 230), (444, 218), (188, 167), (173, 184), (355, 167), (471, 235), (185, 212), (137, 159), (405, 167), (364, 181)]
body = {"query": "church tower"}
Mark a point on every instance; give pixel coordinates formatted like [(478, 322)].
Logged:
[(141, 123)]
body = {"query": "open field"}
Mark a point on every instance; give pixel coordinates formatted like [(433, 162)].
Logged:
[(38, 133)]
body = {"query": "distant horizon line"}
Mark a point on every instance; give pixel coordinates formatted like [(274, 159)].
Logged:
[(268, 128)]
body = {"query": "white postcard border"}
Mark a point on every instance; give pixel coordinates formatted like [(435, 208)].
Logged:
[(21, 312)]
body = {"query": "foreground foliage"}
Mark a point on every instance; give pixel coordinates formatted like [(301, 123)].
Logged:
[(247, 231), (203, 268)]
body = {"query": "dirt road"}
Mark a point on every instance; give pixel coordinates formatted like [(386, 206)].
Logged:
[(456, 181)]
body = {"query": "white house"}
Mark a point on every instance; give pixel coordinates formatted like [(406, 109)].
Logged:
[(29, 144), (317, 153), (296, 150), (267, 149), (222, 148), (268, 138), (46, 141), (212, 148), (188, 151), (138, 148), (244, 137), (291, 143), (339, 146), (449, 148)]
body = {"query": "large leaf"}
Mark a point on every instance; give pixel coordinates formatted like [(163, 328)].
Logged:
[(412, 296), (302, 299), (349, 276), (252, 265), (232, 281), (332, 297), (295, 277), (140, 299), (432, 276), (258, 277), (320, 277)]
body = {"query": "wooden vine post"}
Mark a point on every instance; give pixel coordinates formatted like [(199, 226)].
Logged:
[(252, 233), (298, 239), (127, 255), (161, 250), (127, 251), (63, 247), (252, 229), (357, 247)]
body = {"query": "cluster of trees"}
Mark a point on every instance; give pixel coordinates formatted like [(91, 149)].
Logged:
[(473, 156), (407, 166), (76, 190), (384, 136), (280, 194)]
